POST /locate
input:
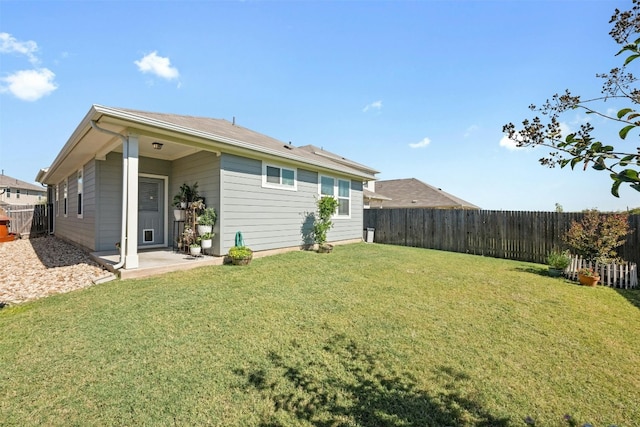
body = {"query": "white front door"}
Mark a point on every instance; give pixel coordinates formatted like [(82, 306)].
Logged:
[(151, 212)]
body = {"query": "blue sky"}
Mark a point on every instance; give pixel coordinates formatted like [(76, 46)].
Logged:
[(411, 88)]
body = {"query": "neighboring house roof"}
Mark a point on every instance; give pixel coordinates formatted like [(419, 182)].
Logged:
[(9, 182), (198, 133), (413, 193)]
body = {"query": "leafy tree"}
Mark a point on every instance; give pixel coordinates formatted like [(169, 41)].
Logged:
[(596, 236), (582, 147)]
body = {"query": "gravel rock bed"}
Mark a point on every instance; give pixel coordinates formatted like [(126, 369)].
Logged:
[(43, 266)]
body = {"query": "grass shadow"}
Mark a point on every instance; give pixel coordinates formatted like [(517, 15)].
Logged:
[(349, 385), (306, 230), (632, 295), (540, 271)]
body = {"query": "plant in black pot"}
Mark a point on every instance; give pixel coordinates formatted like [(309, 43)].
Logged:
[(558, 261)]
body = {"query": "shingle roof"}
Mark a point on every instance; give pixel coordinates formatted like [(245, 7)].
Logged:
[(232, 131), (7, 181), (413, 193)]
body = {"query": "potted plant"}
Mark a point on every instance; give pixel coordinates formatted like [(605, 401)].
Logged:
[(207, 220), (206, 240), (558, 261), (180, 203), (194, 247), (191, 193), (327, 206), (588, 276), (197, 206), (240, 255), (183, 199), (187, 238), (180, 199)]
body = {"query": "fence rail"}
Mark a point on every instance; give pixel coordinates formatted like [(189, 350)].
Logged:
[(28, 219), (523, 236)]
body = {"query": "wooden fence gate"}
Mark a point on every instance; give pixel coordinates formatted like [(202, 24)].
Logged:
[(28, 219)]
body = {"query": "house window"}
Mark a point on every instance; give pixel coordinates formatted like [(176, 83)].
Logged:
[(80, 191), (341, 190), (8, 193), (278, 177), (65, 194), (327, 185), (17, 193), (344, 197)]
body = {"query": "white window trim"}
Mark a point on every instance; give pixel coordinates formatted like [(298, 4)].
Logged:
[(80, 191), (336, 187), (280, 186), (57, 201)]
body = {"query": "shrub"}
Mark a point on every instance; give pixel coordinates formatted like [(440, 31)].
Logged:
[(327, 206), (558, 259), (240, 252), (596, 236)]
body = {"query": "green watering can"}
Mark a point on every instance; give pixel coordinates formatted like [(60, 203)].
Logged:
[(239, 239)]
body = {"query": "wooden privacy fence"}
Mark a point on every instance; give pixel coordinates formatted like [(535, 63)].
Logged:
[(614, 275), (28, 219), (523, 236)]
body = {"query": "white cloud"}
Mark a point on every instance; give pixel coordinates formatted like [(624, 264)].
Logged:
[(421, 144), (470, 130), (158, 65), (9, 44), (377, 105), (29, 85), (509, 143)]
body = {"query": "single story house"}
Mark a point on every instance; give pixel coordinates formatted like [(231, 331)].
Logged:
[(114, 180), (411, 193), (17, 192)]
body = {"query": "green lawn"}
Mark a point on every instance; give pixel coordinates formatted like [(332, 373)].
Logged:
[(369, 335)]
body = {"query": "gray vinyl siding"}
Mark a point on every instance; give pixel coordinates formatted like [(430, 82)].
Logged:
[(203, 168), (108, 202), (275, 218), (79, 230)]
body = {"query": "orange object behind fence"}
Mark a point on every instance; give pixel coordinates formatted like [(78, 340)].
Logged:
[(5, 236)]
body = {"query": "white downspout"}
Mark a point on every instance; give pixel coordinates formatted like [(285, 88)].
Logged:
[(125, 187)]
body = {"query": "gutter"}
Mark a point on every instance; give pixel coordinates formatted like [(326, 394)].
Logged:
[(125, 190)]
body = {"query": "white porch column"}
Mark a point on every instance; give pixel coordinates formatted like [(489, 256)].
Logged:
[(130, 152)]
